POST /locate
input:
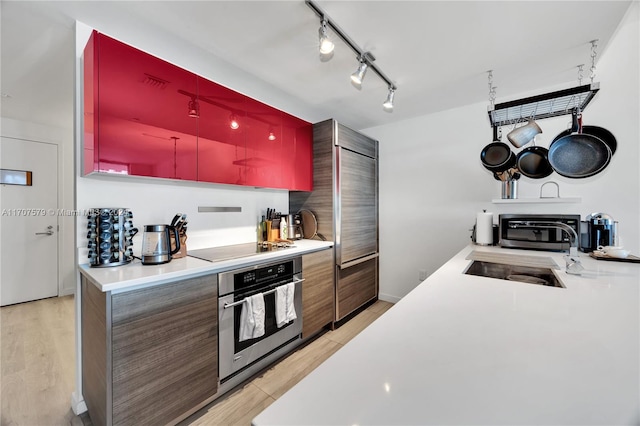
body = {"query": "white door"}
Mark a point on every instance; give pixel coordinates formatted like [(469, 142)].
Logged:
[(28, 224)]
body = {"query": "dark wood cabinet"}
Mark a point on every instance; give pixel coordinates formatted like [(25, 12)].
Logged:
[(149, 355), (317, 291), (146, 117)]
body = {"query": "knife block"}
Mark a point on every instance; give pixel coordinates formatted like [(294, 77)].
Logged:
[(183, 246)]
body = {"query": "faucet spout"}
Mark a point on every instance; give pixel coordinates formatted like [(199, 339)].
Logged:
[(572, 261)]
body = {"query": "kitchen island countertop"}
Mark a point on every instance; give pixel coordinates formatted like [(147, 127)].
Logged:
[(462, 349), (135, 274)]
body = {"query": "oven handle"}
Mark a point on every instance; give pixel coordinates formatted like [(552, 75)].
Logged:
[(273, 290)]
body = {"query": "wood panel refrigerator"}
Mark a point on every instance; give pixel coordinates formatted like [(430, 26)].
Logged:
[(345, 202)]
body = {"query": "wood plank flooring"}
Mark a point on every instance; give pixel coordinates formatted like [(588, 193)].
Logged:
[(37, 368)]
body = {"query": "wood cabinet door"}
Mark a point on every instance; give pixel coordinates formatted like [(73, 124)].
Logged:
[(355, 286), (317, 291), (164, 350), (144, 125)]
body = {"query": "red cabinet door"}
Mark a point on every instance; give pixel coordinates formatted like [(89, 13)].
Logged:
[(298, 138), (144, 122), (221, 134), (90, 105), (264, 145)]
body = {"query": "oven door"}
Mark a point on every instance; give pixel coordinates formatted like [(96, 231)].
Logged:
[(234, 355)]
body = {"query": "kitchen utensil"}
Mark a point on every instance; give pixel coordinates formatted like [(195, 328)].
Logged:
[(521, 136), (156, 244), (533, 162), (497, 157), (578, 155), (309, 225), (600, 132)]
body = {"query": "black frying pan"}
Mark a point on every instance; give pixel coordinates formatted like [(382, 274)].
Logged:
[(497, 157), (578, 155), (599, 132), (533, 162)]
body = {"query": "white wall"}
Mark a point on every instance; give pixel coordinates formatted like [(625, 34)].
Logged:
[(432, 182), (63, 138)]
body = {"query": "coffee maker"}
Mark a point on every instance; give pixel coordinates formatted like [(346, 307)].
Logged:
[(599, 229)]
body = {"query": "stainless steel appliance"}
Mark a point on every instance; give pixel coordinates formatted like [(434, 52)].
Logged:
[(156, 244), (536, 238), (345, 202), (110, 233), (233, 288), (599, 229)]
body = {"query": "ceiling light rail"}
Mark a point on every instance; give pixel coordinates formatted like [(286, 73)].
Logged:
[(365, 59)]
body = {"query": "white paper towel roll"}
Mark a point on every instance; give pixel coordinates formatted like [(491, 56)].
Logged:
[(484, 228)]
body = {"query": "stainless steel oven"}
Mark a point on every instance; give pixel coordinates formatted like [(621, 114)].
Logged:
[(233, 288)]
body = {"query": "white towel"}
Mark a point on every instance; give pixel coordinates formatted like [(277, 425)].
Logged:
[(285, 310), (252, 317)]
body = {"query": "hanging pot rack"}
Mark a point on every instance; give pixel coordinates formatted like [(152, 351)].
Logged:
[(552, 104)]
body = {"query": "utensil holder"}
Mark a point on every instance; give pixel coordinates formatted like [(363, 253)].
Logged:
[(510, 189), (183, 246)]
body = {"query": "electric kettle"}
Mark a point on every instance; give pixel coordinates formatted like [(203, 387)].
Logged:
[(156, 244)]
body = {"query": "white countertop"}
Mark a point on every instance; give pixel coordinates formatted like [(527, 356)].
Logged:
[(136, 275), (461, 349)]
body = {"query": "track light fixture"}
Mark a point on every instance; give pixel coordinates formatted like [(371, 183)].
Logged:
[(325, 44), (358, 76), (365, 59), (388, 104)]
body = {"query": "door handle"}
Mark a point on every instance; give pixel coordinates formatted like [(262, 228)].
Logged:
[(49, 231)]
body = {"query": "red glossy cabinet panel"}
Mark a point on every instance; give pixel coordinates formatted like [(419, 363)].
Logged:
[(298, 167), (90, 108), (221, 145), (265, 151), (147, 117), (144, 127)]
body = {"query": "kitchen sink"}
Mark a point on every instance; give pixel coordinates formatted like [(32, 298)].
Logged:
[(524, 274)]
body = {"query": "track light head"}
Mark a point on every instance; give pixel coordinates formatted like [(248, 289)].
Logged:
[(358, 76), (388, 104), (326, 46)]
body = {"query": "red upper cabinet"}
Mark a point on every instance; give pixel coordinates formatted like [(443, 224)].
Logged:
[(144, 126), (146, 117), (264, 145), (298, 167), (221, 134)]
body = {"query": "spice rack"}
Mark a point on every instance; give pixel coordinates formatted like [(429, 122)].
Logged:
[(552, 104)]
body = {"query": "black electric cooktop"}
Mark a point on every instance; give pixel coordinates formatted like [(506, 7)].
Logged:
[(217, 254)]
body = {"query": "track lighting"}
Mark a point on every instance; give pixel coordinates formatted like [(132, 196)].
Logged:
[(272, 136), (358, 76), (388, 104), (365, 58), (326, 45), (194, 108), (233, 122)]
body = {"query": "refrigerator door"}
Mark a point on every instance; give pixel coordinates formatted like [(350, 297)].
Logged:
[(356, 207)]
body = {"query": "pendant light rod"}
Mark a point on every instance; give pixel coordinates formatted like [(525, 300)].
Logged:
[(352, 44)]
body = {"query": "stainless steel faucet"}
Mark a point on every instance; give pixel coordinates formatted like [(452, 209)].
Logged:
[(573, 265)]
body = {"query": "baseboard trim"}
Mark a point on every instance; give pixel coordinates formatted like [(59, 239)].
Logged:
[(389, 298), (77, 404)]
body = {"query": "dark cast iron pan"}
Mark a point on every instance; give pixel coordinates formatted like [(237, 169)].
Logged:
[(578, 155), (599, 132), (533, 162), (497, 156)]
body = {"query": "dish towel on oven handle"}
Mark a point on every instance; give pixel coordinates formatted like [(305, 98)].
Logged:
[(285, 310), (252, 317)]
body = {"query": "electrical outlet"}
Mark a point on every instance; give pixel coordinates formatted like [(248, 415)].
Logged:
[(422, 275)]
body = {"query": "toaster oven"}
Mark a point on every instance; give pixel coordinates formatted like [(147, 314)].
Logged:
[(543, 238)]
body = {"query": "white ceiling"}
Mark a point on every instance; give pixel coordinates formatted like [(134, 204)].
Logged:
[(436, 52)]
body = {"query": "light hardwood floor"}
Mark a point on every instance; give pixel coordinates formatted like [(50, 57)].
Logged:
[(37, 367)]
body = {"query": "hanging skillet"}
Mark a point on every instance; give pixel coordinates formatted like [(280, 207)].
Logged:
[(497, 156), (533, 162), (578, 155), (599, 132)]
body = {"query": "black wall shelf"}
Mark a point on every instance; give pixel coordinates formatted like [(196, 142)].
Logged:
[(538, 107)]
